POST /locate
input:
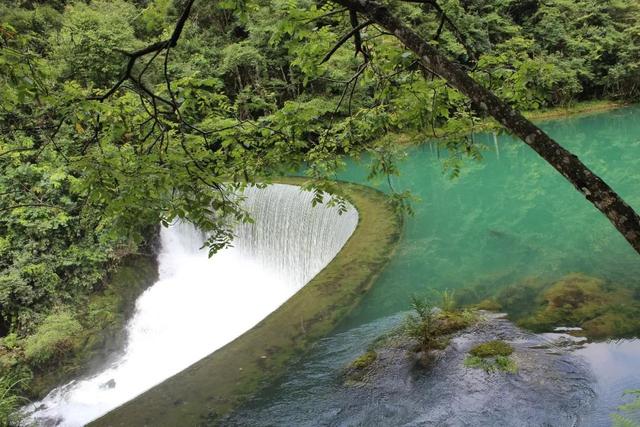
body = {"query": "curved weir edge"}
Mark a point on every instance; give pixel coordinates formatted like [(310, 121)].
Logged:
[(217, 384)]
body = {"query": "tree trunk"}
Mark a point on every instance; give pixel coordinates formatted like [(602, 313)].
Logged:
[(621, 215)]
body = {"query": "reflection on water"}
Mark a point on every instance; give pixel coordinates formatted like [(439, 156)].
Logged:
[(616, 367)]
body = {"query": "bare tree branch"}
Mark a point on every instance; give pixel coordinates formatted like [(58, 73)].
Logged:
[(344, 39)]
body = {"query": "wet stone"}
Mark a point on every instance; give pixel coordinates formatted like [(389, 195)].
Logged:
[(551, 387)]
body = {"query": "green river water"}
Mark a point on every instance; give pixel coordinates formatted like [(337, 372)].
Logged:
[(511, 217), (507, 220)]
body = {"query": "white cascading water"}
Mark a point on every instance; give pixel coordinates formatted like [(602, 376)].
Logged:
[(199, 304)]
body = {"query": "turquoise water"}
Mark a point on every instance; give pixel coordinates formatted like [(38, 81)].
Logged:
[(511, 217), (507, 220)]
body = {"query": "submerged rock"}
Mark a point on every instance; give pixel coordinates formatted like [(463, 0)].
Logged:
[(552, 387)]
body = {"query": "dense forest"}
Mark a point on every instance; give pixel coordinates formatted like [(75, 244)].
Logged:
[(96, 151)]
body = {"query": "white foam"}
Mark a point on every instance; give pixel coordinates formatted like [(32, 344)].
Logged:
[(199, 304)]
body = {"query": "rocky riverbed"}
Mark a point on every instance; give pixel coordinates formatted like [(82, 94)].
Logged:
[(551, 387)]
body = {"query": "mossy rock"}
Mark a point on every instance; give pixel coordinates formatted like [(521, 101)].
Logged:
[(357, 371), (491, 349), (489, 304), (364, 361), (601, 309), (449, 322), (498, 363)]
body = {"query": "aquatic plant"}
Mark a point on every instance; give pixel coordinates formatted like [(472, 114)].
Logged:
[(600, 308), (448, 300), (603, 309), (489, 304)]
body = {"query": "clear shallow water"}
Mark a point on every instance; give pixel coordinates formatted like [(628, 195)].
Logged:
[(199, 304)]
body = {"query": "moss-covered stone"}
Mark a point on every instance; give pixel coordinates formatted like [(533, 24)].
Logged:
[(358, 369), (489, 304), (365, 360), (498, 363), (601, 309), (448, 322), (491, 349)]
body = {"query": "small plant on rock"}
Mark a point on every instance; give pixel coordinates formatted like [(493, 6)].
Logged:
[(423, 324), (448, 300), (492, 356), (491, 349)]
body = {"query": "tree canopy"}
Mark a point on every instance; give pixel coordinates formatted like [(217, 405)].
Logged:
[(96, 149)]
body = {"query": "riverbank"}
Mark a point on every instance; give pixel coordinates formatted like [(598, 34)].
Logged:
[(539, 116), (490, 125), (215, 385), (577, 109)]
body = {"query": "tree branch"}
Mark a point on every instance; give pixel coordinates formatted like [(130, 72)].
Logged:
[(344, 39), (596, 191), (152, 48)]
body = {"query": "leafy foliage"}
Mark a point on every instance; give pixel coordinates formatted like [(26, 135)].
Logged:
[(52, 339), (245, 96), (10, 399)]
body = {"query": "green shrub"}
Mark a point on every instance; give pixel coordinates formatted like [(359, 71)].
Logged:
[(432, 327), (423, 324), (10, 399), (53, 338)]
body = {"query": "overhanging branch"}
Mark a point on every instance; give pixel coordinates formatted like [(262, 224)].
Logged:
[(596, 191)]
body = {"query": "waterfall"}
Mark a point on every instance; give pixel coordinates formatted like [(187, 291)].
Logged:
[(199, 304)]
